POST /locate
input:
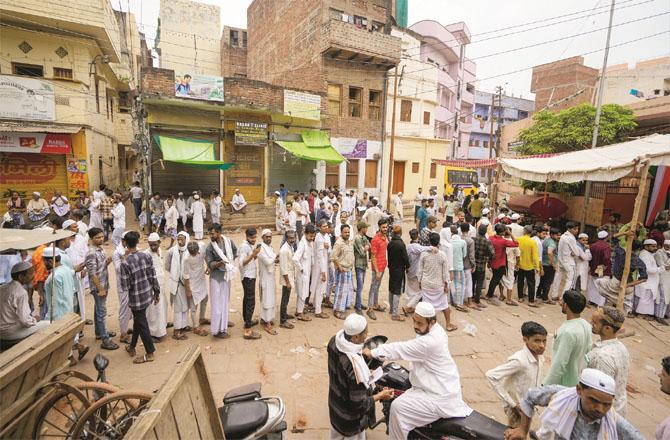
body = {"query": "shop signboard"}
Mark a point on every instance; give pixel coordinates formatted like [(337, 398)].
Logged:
[(27, 99), (251, 134), (302, 105), (194, 86), (27, 142)]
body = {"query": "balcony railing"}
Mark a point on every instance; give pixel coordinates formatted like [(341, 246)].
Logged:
[(347, 41)]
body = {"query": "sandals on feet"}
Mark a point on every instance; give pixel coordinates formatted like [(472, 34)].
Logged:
[(287, 325), (270, 329), (451, 328), (143, 359), (397, 318), (131, 351), (252, 335), (322, 315), (302, 317), (179, 336)]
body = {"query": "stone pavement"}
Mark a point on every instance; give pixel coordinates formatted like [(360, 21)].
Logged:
[(293, 364)]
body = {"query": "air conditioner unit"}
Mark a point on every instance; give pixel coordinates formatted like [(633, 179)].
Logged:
[(376, 156)]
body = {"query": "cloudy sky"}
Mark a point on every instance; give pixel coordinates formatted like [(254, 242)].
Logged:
[(513, 24)]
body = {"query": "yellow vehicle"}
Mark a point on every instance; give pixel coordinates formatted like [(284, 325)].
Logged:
[(464, 178)]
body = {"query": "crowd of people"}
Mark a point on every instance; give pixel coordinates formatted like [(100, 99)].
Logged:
[(331, 241)]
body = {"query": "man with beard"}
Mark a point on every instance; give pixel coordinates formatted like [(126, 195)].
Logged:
[(220, 255), (436, 385), (398, 262)]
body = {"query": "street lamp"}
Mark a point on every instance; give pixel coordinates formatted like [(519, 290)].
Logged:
[(93, 67)]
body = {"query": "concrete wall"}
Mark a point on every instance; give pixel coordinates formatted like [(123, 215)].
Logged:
[(561, 79), (190, 37), (649, 77)]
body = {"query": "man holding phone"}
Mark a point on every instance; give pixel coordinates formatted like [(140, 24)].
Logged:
[(249, 251)]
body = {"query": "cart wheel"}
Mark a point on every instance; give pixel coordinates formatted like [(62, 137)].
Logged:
[(112, 416), (72, 376), (62, 408), (96, 390)]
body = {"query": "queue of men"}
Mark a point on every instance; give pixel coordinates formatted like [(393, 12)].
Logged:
[(330, 242)]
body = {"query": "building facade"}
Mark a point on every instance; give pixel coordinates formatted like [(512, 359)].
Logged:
[(234, 52), (340, 48), (562, 84), (444, 46), (505, 110), (645, 80), (65, 120)]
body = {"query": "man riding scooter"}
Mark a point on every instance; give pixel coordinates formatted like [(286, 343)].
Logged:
[(436, 387)]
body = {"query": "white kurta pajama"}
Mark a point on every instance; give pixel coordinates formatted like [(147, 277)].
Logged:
[(157, 313), (662, 258), (219, 283), (174, 259), (266, 276), (320, 265), (215, 208), (199, 213), (436, 385), (180, 204), (582, 268), (125, 314), (77, 252), (238, 202), (95, 219), (302, 259), (194, 271), (648, 293)]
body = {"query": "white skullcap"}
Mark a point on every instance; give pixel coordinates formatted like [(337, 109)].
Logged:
[(277, 193), (196, 197), (649, 241), (666, 242), (597, 379), (67, 223), (485, 211), (354, 324), (583, 235), (183, 234), (501, 216), (36, 193), (48, 252), (265, 232), (124, 234), (399, 193), (485, 222), (195, 192), (180, 193), (21, 266), (425, 309), (602, 235), (154, 237), (515, 216)]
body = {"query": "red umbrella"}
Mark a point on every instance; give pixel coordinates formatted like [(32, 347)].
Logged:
[(549, 207)]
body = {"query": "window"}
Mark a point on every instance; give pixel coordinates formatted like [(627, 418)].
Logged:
[(471, 143), (377, 26), (124, 102), (522, 114), (360, 21), (406, 110), (61, 73), (486, 144), (433, 170), (332, 175), (352, 174), (27, 69), (334, 100), (97, 95), (234, 38), (415, 167), (375, 105), (111, 107), (371, 173), (244, 39), (458, 90), (426, 118), (355, 98)]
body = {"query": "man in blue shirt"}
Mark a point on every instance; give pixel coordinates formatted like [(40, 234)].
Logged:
[(422, 216), (283, 192)]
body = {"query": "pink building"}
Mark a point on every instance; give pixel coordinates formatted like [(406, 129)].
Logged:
[(444, 46)]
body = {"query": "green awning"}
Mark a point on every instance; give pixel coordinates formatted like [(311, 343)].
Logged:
[(315, 145), (193, 152)]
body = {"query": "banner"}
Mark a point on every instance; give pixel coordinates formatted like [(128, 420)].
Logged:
[(55, 143), (26, 98), (251, 134), (194, 86), (351, 148), (302, 105)]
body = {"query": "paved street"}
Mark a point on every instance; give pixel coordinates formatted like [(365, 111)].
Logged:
[(294, 365)]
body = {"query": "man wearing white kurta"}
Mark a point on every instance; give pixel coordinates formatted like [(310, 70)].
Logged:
[(220, 256), (280, 210), (174, 261), (157, 312), (180, 204), (397, 204), (119, 215), (302, 259), (215, 205), (567, 251), (436, 385), (238, 203), (267, 259), (648, 294), (77, 252), (662, 257), (118, 257), (372, 217), (199, 213), (320, 268), (195, 283)]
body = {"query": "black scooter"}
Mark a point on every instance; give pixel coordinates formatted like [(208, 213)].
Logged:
[(476, 426)]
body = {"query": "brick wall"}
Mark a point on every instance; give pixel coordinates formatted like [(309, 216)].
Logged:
[(157, 81), (233, 61), (555, 81)]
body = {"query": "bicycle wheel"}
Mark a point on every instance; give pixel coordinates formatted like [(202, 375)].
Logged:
[(72, 375), (111, 416), (60, 412)]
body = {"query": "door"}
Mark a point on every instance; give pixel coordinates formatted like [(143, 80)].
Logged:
[(371, 173), (247, 173), (398, 177)]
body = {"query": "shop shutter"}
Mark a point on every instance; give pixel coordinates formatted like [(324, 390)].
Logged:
[(28, 172)]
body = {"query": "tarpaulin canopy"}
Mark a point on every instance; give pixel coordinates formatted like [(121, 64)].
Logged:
[(193, 152), (315, 145), (23, 239), (540, 206), (604, 164)]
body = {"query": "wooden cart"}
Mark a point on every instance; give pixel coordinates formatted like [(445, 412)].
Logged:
[(184, 406)]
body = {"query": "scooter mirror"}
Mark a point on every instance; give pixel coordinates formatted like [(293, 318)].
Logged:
[(100, 362), (375, 341)]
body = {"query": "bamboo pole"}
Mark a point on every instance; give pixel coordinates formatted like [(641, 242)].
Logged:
[(644, 178)]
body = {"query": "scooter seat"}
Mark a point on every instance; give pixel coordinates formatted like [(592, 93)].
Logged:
[(476, 426), (242, 418), (245, 392)]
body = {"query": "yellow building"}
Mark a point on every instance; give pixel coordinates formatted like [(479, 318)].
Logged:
[(67, 73)]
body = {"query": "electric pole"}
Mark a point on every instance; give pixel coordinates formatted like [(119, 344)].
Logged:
[(493, 97), (395, 97), (596, 125)]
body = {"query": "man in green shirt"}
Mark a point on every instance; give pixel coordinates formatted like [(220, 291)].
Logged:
[(361, 248), (571, 343), (475, 207)]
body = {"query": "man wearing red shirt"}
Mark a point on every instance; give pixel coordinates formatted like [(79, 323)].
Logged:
[(310, 203), (379, 263), (499, 262)]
